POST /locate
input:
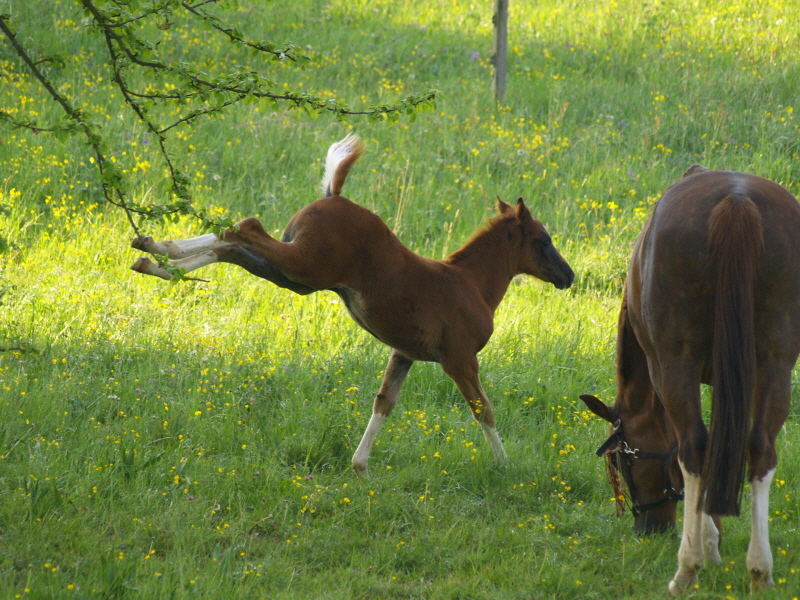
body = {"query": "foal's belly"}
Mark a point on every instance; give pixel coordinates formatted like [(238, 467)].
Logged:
[(397, 324)]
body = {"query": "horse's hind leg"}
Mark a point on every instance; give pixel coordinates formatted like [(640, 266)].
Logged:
[(176, 248), (393, 377), (465, 375), (187, 255), (260, 267), (313, 256), (182, 265), (196, 252), (773, 392)]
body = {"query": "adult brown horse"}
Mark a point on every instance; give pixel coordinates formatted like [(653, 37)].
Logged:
[(712, 296), (428, 310)]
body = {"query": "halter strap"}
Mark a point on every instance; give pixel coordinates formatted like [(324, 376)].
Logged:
[(616, 444), (615, 438)]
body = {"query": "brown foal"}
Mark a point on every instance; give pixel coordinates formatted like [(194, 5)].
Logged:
[(712, 296), (429, 310)]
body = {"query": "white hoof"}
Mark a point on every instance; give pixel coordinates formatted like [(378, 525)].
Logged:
[(361, 469), (760, 580), (682, 581)]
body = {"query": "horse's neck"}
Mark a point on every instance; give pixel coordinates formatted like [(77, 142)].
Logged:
[(487, 260), (635, 392)]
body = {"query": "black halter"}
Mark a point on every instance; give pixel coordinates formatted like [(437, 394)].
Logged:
[(621, 456)]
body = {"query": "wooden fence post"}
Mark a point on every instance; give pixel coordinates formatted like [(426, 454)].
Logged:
[(500, 21)]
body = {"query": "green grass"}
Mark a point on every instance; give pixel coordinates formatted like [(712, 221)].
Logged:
[(194, 440)]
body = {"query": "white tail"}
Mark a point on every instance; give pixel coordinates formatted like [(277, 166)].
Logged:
[(341, 156)]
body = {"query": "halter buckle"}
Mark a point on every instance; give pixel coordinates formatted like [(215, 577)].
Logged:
[(632, 452)]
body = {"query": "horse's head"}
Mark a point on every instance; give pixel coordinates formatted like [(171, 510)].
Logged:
[(537, 255), (641, 448)]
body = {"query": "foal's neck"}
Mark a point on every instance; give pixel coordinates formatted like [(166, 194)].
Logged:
[(489, 260)]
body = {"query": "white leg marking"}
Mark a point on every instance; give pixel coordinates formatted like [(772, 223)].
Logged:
[(690, 553), (491, 435), (361, 455), (759, 555), (190, 263), (148, 267), (710, 541), (182, 248), (176, 248)]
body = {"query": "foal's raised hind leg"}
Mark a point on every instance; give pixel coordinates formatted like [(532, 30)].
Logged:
[(465, 375), (193, 253), (188, 255), (393, 377), (176, 248), (185, 265)]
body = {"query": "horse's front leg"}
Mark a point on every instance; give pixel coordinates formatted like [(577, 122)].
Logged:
[(700, 536), (690, 552), (393, 377), (465, 375)]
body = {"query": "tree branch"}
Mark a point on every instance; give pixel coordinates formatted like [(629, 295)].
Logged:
[(127, 52)]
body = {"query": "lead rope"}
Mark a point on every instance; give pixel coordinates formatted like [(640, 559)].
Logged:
[(616, 488)]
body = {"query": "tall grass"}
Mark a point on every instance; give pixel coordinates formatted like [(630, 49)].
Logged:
[(193, 440)]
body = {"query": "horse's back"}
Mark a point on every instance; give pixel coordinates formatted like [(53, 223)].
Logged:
[(409, 302), (343, 241), (335, 219), (685, 209), (681, 224)]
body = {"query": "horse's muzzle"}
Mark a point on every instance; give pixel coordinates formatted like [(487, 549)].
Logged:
[(564, 278)]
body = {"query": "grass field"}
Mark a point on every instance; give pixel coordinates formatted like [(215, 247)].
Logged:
[(193, 440)]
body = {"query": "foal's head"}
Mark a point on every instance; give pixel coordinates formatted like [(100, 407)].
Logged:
[(641, 451), (537, 255)]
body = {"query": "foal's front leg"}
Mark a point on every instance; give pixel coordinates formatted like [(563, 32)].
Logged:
[(393, 377), (465, 374)]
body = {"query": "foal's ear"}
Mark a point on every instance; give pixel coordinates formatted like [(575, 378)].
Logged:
[(594, 404), (522, 211), (502, 207)]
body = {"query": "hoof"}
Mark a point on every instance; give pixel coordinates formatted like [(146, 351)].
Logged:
[(143, 242), (675, 589), (682, 582), (142, 264), (759, 580), (361, 470), (148, 267)]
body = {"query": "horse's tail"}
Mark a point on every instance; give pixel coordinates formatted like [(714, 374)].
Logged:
[(735, 243), (341, 156)]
